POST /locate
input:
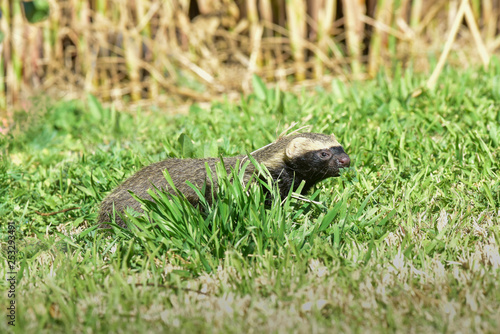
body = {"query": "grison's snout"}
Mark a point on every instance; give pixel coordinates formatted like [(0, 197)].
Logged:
[(343, 160)]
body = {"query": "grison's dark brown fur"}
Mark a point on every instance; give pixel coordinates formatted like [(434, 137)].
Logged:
[(309, 157)]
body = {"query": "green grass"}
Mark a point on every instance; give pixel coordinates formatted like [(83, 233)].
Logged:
[(407, 240)]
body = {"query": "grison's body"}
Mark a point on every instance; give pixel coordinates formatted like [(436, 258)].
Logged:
[(309, 157)]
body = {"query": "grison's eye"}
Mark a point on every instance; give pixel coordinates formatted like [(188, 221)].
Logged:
[(325, 155)]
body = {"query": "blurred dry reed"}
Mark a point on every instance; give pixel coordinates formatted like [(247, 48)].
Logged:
[(143, 52)]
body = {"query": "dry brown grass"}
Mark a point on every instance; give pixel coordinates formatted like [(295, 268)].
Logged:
[(166, 53)]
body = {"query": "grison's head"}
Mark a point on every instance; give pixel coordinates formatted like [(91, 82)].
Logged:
[(315, 156), (312, 156)]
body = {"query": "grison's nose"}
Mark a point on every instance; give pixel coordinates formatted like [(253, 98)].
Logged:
[(344, 160)]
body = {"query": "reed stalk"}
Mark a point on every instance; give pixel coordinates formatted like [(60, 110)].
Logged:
[(490, 19), (431, 83), (353, 10), (255, 35), (471, 21), (4, 51), (14, 72), (416, 12), (266, 10), (383, 15), (296, 13), (327, 10)]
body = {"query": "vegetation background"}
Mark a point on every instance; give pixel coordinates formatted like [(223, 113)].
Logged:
[(167, 53), (407, 240)]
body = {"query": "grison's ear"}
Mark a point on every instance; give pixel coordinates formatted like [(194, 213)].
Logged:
[(297, 147)]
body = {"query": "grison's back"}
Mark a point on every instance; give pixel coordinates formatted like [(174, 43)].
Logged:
[(180, 170)]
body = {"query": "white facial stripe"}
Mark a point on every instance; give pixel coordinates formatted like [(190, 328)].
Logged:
[(301, 145), (314, 145)]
